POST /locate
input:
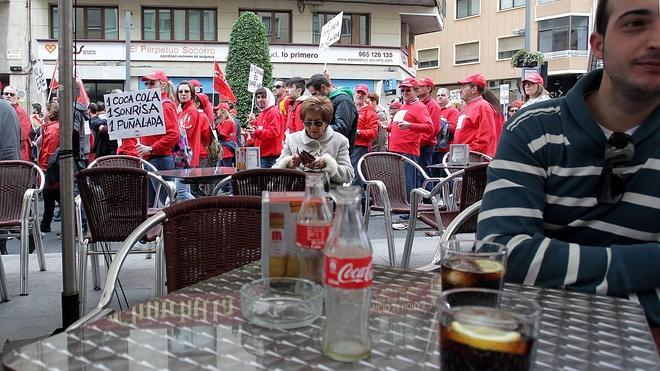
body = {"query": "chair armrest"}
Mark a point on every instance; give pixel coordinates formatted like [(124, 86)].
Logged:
[(27, 200), (171, 191), (115, 267), (431, 180), (218, 187)]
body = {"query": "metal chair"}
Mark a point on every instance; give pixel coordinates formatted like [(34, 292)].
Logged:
[(20, 184), (202, 238), (385, 176), (115, 203), (254, 181), (474, 158), (465, 222), (472, 190)]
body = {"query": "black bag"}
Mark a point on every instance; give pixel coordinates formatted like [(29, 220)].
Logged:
[(53, 169)]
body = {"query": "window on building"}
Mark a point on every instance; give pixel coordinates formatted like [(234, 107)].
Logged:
[(565, 33), (506, 46), (179, 24), (467, 8), (428, 58), (277, 23), (510, 4), (354, 28), (91, 22), (466, 53)]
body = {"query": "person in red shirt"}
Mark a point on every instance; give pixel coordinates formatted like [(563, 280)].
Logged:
[(266, 131), (204, 106), (157, 149), (281, 98), (408, 126), (226, 132), (476, 126), (450, 114), (295, 87), (428, 141), (11, 95), (367, 127), (50, 141)]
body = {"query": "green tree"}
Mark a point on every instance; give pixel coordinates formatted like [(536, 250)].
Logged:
[(247, 45)]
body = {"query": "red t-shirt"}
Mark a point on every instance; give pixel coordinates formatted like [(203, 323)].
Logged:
[(26, 129), (408, 141), (162, 145), (269, 133), (193, 121), (227, 132), (434, 111), (367, 126), (477, 127), (128, 147), (293, 121), (50, 140)]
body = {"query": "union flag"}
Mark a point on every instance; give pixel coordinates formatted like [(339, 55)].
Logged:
[(220, 84)]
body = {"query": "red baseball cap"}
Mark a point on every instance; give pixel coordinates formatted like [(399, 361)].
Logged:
[(396, 104), (233, 111), (194, 83), (477, 79), (222, 105), (156, 75), (362, 87), (426, 81), (409, 82), (535, 78)]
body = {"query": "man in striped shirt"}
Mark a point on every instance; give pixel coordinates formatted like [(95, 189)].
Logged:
[(574, 190)]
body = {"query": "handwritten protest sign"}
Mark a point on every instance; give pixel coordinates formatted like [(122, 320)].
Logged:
[(134, 114), (504, 93), (455, 94), (331, 32), (256, 78), (39, 76)]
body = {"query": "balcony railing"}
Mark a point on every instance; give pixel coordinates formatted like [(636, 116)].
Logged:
[(541, 2), (566, 53)]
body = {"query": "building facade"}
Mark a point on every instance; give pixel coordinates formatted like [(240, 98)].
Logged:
[(377, 42), (480, 36)]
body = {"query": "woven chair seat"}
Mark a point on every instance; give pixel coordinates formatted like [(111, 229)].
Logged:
[(254, 181), (12, 223)]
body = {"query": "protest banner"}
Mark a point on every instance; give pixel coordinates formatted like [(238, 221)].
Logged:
[(134, 114), (39, 76), (330, 34), (504, 93), (255, 81), (455, 94)]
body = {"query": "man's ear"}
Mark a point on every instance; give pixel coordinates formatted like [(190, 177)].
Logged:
[(597, 41)]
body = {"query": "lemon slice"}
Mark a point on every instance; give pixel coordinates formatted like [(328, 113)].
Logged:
[(489, 266), (488, 338)]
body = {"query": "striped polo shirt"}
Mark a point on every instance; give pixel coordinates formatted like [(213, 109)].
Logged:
[(541, 203)]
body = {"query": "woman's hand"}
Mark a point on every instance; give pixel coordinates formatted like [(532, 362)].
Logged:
[(295, 162), (318, 164)]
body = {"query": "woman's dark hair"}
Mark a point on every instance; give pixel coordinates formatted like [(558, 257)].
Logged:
[(37, 107), (54, 111), (192, 90), (317, 104), (602, 17), (494, 101)]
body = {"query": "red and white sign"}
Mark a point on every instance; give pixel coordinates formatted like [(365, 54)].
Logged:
[(348, 273)]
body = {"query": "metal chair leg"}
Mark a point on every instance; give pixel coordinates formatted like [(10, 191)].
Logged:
[(158, 266), (390, 237), (4, 294), (39, 247), (24, 258), (82, 278), (410, 233), (95, 268)]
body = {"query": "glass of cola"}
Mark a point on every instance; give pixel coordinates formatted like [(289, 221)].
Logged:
[(482, 329), (468, 263)]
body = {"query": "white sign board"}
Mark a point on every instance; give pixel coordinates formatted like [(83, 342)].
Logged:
[(134, 114), (39, 76), (455, 94), (331, 32), (504, 93), (256, 78), (13, 53)]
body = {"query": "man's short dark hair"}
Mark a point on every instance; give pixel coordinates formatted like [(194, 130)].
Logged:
[(100, 106), (92, 108), (602, 17), (298, 82), (317, 80), (37, 107)]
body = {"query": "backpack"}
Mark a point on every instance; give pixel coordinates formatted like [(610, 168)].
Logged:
[(444, 136), (52, 173), (182, 150)]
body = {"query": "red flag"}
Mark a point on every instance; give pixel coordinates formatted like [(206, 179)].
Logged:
[(53, 80), (82, 97), (220, 84)]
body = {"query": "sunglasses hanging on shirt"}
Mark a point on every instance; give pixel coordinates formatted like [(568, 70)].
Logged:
[(619, 151)]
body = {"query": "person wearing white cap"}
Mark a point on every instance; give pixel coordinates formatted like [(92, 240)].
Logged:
[(534, 90)]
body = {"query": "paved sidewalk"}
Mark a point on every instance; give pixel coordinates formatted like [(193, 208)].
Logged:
[(39, 313)]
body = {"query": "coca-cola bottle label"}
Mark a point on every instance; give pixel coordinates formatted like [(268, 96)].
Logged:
[(348, 273), (312, 236)]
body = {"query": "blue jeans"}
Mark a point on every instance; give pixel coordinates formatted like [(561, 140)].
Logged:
[(425, 159), (161, 163), (411, 175), (358, 152), (183, 191), (268, 162)]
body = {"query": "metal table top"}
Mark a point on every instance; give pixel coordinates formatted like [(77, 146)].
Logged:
[(199, 174), (201, 327)]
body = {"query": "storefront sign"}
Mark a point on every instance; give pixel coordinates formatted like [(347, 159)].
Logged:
[(134, 114)]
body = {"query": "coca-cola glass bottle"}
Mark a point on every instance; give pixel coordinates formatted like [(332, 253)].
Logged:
[(348, 276), (313, 227)]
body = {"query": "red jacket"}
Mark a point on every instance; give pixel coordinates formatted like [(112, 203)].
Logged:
[(205, 134), (408, 141), (451, 114), (477, 127), (367, 126), (269, 134), (193, 121), (162, 145), (293, 121), (50, 140), (434, 111), (26, 129), (227, 132), (128, 147)]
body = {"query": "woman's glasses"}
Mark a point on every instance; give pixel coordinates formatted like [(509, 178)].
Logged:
[(619, 151), (318, 124), (183, 91)]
